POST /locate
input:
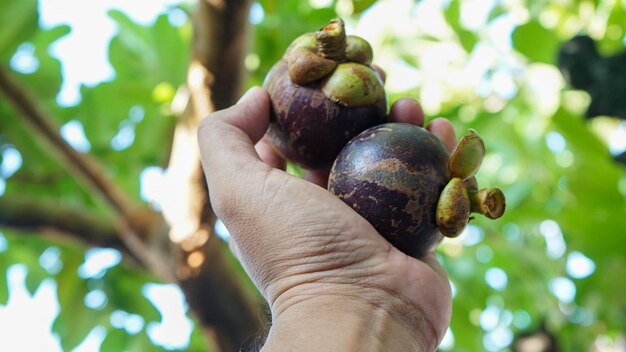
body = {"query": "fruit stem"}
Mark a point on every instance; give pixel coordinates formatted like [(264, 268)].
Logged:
[(331, 40), (488, 202)]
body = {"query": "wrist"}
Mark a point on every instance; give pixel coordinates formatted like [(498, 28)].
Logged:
[(318, 322)]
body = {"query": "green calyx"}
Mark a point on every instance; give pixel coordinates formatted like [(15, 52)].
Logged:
[(461, 195), (453, 208), (488, 201), (341, 61), (359, 50), (353, 85), (467, 156)]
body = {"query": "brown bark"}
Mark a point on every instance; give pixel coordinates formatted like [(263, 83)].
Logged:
[(217, 298), (221, 31), (215, 78), (34, 215)]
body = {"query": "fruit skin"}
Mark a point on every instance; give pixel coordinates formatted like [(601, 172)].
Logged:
[(309, 128), (393, 175), (323, 92)]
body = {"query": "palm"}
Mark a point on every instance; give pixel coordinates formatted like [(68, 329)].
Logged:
[(327, 241)]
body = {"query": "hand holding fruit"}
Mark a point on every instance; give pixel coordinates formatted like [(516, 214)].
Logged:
[(309, 253), (315, 255), (399, 177)]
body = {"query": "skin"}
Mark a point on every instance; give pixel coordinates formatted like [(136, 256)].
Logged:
[(331, 281)]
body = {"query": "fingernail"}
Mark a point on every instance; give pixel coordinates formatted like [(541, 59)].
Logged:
[(246, 95)]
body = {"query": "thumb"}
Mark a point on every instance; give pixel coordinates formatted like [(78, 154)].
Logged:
[(227, 137), (250, 114)]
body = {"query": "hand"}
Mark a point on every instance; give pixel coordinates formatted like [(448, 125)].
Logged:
[(331, 281)]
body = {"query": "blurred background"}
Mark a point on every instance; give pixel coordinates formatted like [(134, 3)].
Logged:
[(107, 239)]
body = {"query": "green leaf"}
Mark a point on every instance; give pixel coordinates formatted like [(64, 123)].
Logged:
[(34, 278), (74, 323), (613, 40), (468, 39), (100, 118), (46, 81), (452, 15), (155, 54), (75, 320), (115, 340), (596, 205), (20, 19), (197, 340), (141, 343), (362, 5), (123, 288), (4, 287), (41, 174), (537, 43)]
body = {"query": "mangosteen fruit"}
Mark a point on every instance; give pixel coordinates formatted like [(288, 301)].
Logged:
[(323, 92), (402, 180)]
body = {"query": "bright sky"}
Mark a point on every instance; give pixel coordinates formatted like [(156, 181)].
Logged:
[(83, 52)]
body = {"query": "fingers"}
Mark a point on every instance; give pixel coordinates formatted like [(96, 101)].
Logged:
[(443, 129), (319, 178), (380, 72), (250, 114), (234, 249), (407, 110), (227, 137), (431, 260), (268, 154), (404, 110)]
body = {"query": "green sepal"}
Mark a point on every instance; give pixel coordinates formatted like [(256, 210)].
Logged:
[(453, 208)]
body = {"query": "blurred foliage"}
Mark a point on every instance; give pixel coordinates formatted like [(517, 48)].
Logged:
[(150, 63), (484, 65)]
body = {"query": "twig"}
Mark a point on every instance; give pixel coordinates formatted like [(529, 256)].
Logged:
[(33, 215), (214, 292), (130, 216), (82, 165)]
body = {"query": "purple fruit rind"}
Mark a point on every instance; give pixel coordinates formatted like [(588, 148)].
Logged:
[(307, 127), (392, 175)]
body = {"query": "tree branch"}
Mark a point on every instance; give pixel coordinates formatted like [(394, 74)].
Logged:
[(82, 165), (214, 292), (34, 215), (219, 299), (135, 222), (221, 35)]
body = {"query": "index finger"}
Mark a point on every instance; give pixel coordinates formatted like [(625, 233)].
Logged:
[(407, 110), (227, 138)]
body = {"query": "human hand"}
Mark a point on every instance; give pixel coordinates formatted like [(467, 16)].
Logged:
[(331, 281)]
